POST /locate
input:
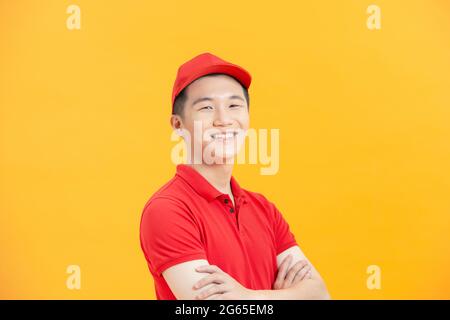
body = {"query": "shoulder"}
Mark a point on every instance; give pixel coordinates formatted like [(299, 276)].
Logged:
[(168, 195), (166, 204)]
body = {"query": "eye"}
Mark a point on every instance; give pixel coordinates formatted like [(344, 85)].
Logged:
[(235, 106), (206, 108)]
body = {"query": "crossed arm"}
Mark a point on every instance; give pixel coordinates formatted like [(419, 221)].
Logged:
[(296, 279)]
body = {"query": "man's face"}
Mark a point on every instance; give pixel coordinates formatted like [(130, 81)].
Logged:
[(217, 105)]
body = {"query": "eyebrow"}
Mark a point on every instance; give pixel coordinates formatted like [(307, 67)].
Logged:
[(210, 99)]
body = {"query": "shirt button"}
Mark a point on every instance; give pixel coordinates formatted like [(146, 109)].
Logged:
[(226, 201), (231, 210)]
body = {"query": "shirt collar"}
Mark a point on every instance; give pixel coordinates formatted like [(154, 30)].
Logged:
[(203, 187)]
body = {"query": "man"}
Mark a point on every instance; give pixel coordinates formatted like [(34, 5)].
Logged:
[(203, 236)]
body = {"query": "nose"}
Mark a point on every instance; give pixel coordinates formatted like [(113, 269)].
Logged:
[(222, 117)]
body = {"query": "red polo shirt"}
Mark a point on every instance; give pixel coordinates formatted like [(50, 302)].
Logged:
[(188, 219)]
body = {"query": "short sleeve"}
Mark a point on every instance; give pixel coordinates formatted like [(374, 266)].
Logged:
[(169, 234), (283, 236)]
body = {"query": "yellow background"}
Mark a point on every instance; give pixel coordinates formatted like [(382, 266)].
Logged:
[(364, 119)]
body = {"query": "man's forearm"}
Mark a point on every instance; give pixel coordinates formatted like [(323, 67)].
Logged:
[(307, 289)]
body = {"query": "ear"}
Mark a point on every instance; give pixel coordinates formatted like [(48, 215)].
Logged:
[(176, 122)]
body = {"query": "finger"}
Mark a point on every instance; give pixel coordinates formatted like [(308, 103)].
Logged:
[(211, 278), (217, 296), (218, 288), (293, 272), (302, 274), (208, 268), (284, 268), (282, 271)]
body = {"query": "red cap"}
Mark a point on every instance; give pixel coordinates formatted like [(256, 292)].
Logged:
[(203, 64)]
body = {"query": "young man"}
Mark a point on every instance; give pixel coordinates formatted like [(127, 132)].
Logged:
[(203, 236)]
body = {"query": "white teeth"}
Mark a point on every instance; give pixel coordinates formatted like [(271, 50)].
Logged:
[(227, 135)]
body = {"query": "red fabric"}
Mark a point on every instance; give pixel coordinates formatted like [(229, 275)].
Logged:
[(188, 219), (203, 64)]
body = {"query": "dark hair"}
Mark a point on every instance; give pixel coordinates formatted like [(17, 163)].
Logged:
[(180, 100)]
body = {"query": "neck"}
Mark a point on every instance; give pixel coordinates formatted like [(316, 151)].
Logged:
[(219, 175)]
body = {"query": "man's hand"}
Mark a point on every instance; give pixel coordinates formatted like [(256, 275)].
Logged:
[(288, 276), (225, 288)]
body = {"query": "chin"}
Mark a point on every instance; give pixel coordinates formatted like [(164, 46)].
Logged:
[(222, 158)]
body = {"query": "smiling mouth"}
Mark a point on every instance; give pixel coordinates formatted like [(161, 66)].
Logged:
[(224, 136)]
